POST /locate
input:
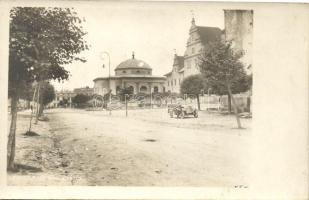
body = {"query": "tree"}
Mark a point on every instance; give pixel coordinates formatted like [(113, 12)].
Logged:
[(224, 72), (193, 84), (80, 100), (47, 95), (42, 40)]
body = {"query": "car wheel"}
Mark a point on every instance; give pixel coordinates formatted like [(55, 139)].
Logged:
[(195, 114)]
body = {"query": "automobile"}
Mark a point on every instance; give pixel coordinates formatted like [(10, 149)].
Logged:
[(182, 110)]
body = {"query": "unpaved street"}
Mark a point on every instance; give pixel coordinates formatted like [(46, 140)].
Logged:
[(148, 148)]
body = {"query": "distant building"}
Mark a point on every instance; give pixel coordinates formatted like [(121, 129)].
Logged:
[(84, 90), (184, 66), (63, 98), (239, 30), (134, 74)]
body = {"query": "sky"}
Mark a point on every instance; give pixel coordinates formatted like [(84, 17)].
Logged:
[(151, 29)]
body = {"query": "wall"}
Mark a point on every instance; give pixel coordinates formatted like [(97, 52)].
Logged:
[(100, 86), (239, 30)]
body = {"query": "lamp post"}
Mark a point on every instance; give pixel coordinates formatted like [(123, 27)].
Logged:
[(126, 104), (109, 78)]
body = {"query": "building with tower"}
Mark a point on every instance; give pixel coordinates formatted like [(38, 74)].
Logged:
[(238, 26), (186, 65), (133, 74), (238, 29)]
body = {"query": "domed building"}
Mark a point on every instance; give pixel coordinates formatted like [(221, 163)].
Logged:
[(134, 74)]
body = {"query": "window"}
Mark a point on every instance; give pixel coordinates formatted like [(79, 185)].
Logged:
[(168, 83), (131, 89), (124, 71), (155, 89), (118, 89), (143, 89), (138, 71)]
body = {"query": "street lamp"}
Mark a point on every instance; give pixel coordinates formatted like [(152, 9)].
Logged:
[(126, 103), (109, 76)]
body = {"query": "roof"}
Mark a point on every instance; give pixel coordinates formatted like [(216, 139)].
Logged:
[(209, 34), (130, 76), (167, 74), (133, 63), (181, 60)]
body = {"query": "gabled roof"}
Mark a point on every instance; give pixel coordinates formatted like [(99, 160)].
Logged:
[(209, 34), (167, 74), (179, 61)]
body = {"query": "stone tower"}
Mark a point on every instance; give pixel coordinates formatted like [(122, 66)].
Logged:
[(239, 30)]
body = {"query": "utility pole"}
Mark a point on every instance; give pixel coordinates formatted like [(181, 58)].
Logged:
[(150, 98), (126, 103), (109, 80)]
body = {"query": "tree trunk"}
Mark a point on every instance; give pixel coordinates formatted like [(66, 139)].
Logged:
[(11, 137), (234, 106), (229, 103), (37, 104), (32, 109), (41, 107), (198, 102), (249, 104)]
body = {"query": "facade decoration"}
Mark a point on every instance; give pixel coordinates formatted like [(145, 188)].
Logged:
[(186, 65)]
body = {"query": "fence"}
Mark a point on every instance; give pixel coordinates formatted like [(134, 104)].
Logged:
[(159, 101)]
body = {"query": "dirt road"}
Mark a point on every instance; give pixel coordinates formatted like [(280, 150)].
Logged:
[(148, 148)]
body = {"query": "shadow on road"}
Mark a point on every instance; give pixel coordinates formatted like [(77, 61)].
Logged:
[(25, 168)]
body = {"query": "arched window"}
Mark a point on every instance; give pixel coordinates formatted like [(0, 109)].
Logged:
[(143, 89), (155, 89), (131, 89), (118, 89)]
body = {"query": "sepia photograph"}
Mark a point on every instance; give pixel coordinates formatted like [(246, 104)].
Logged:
[(133, 99), (140, 94)]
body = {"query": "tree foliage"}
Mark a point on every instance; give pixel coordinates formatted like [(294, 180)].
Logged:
[(80, 99), (221, 67), (48, 93), (193, 84), (224, 72), (42, 41)]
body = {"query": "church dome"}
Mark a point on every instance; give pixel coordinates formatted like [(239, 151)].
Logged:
[(133, 66), (133, 63)]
